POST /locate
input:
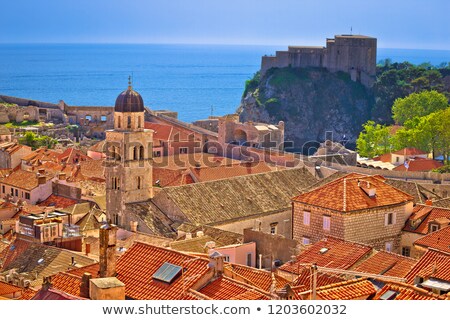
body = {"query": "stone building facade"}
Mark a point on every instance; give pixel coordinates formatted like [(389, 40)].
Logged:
[(347, 209), (353, 54)]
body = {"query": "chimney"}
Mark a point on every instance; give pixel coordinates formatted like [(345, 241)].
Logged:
[(47, 283), (62, 176), (85, 284), (200, 234), (429, 202), (133, 226), (216, 263), (41, 179), (107, 259), (41, 171), (188, 235), (106, 289)]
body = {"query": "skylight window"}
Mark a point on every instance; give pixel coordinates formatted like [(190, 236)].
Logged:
[(323, 250), (167, 272), (389, 295)]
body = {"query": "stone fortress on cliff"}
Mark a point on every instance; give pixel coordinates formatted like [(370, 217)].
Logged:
[(353, 54)]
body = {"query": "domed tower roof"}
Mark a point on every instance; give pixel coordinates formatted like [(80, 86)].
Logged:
[(129, 101)]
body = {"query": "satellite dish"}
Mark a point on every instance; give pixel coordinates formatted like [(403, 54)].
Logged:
[(40, 261)]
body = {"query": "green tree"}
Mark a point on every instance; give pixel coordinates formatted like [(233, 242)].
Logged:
[(373, 140), (418, 105), (32, 140)]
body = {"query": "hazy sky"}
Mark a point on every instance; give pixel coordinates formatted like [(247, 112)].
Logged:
[(396, 23)]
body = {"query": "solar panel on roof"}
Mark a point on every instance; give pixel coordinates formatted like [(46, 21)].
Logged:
[(167, 272)]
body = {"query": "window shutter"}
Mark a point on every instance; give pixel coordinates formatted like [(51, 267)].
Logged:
[(386, 217)]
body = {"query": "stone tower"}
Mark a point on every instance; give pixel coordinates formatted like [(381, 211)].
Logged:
[(128, 169)]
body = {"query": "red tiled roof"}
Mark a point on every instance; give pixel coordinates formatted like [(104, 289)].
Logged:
[(225, 288), (72, 156), (420, 164), (93, 169), (347, 290), (203, 174), (406, 292), (6, 288), (41, 155), (433, 264), (54, 294), (387, 157), (28, 294), (161, 131), (67, 283), (93, 269), (387, 264), (341, 254), (259, 278), (439, 240), (185, 161), (12, 147), (171, 178), (422, 215), (345, 195), (409, 152), (23, 179), (57, 202), (137, 265)]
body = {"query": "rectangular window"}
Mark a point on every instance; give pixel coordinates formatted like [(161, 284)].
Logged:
[(226, 258), (388, 246), (306, 241), (27, 195), (406, 251), (389, 219), (434, 227), (17, 192), (273, 228), (12, 191), (306, 218), (249, 259), (183, 150), (3, 189), (326, 223)]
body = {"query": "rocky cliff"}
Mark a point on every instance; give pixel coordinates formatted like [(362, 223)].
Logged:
[(310, 101)]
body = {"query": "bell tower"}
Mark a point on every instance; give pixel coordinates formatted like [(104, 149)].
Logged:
[(128, 170)]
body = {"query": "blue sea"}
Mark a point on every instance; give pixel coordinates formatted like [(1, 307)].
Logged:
[(195, 80)]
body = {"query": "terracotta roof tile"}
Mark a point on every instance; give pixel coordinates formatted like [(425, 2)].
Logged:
[(433, 264), (225, 288), (403, 291), (442, 203), (439, 240), (258, 278), (57, 202), (419, 220), (161, 131), (6, 288), (72, 156), (67, 283), (41, 155), (93, 269), (419, 164), (54, 294), (171, 177), (23, 179), (348, 290), (203, 174), (137, 265), (340, 254), (387, 264), (344, 194)]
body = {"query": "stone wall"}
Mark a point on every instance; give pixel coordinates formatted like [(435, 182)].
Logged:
[(269, 245), (365, 226)]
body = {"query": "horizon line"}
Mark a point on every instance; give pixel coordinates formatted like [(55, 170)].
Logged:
[(187, 43)]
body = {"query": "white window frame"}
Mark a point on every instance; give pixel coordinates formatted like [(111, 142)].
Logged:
[(433, 227), (306, 218), (326, 223), (388, 246), (393, 220), (274, 226)]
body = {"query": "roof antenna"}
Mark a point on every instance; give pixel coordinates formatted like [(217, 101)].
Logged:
[(129, 83), (351, 30)]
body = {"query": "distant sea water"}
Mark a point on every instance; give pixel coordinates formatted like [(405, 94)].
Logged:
[(190, 79)]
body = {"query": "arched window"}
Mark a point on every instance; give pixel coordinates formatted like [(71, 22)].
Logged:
[(119, 120), (139, 122), (129, 122), (141, 152), (139, 182)]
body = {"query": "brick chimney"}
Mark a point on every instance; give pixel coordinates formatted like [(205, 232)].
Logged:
[(106, 289), (216, 263), (429, 202), (108, 240), (85, 284)]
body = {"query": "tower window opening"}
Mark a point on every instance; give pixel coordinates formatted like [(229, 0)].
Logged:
[(139, 183), (119, 120), (129, 122), (141, 153)]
